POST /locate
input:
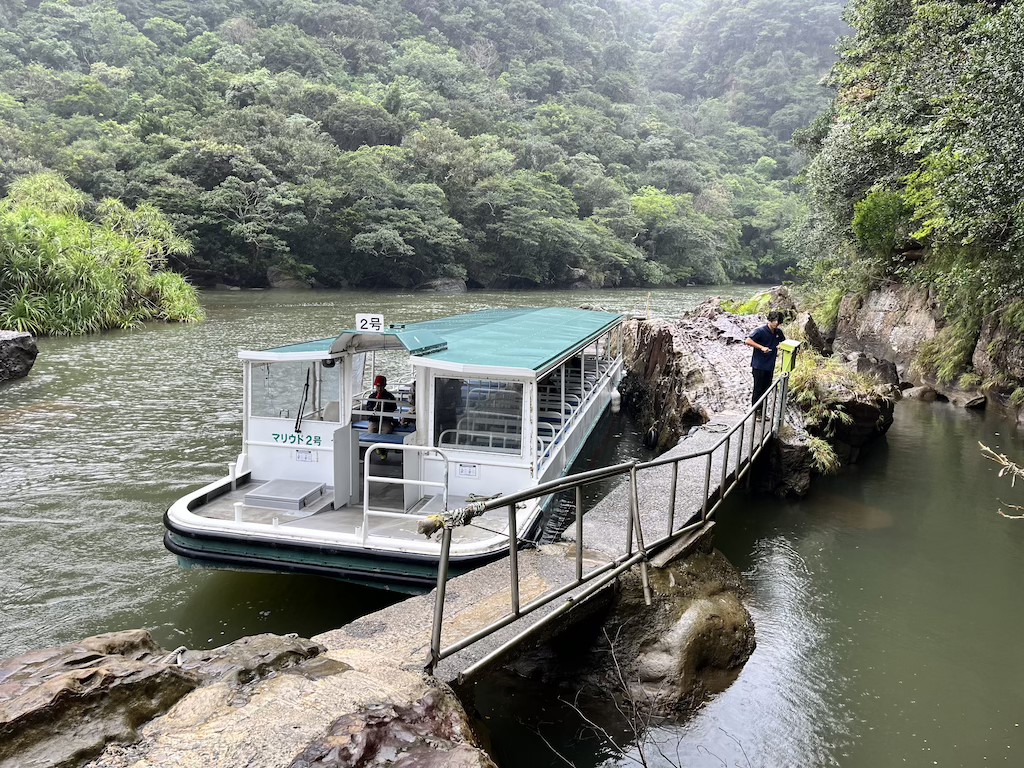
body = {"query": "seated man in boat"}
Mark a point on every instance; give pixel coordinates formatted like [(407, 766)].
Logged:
[(381, 401)]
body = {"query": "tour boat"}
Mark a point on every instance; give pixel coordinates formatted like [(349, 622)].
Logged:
[(486, 403)]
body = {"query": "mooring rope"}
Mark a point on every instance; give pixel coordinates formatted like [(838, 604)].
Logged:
[(455, 518)]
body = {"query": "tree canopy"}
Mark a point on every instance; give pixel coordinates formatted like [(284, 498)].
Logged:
[(385, 143), (917, 173)]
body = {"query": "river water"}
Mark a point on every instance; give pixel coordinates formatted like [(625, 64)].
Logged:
[(887, 603)]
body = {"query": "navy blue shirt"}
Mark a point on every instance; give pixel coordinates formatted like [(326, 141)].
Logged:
[(765, 361)]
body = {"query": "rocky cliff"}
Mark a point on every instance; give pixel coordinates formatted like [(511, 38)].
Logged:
[(681, 373), (895, 322)]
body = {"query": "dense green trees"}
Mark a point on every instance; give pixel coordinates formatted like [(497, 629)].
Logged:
[(387, 143), (917, 173), (62, 274)]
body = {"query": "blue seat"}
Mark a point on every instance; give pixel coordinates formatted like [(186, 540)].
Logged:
[(369, 438)]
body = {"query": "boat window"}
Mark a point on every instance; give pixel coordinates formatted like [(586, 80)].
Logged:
[(478, 414), (330, 392), (279, 390)]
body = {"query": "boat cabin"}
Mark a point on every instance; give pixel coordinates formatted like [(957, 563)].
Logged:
[(334, 476), (502, 390)]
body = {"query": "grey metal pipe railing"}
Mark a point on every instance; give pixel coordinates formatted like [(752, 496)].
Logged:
[(634, 527)]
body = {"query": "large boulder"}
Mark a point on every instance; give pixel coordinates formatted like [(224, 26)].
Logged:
[(18, 352), (787, 469), (690, 643), (882, 371), (889, 324)]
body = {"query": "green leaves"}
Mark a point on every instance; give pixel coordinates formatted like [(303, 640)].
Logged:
[(63, 275), (387, 143)]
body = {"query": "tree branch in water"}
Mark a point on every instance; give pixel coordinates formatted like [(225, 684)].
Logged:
[(1010, 468)]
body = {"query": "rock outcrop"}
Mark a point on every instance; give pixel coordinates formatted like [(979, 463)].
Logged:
[(889, 324), (60, 706), (282, 280), (812, 334), (681, 373), (999, 359), (18, 352), (119, 700), (892, 324), (999, 349), (445, 285)]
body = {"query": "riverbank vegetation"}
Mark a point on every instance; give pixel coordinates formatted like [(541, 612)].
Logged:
[(65, 273), (916, 174), (377, 143)]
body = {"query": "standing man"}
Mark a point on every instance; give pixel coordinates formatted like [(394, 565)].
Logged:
[(765, 341)]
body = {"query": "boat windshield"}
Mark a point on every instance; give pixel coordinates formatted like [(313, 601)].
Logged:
[(286, 389)]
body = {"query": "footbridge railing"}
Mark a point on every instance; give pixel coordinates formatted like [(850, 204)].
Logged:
[(721, 467)]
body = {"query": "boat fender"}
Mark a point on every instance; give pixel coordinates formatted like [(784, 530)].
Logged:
[(616, 401), (651, 438)]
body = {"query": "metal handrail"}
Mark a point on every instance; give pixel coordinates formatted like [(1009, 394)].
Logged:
[(383, 479), (634, 532)]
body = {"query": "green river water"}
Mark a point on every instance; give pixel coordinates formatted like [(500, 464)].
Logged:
[(887, 603)]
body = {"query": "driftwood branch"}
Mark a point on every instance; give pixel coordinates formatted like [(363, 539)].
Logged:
[(1007, 468)]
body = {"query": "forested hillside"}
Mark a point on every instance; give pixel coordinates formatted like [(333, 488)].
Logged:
[(385, 143), (918, 174)]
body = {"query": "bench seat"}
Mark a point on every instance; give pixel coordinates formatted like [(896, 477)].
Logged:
[(369, 438)]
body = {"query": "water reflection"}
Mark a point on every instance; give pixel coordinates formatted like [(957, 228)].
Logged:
[(886, 611)]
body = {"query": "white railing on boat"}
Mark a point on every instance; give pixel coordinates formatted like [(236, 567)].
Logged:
[(385, 480), (550, 434)]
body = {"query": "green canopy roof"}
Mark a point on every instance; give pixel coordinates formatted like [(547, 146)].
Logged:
[(531, 339), (527, 339)]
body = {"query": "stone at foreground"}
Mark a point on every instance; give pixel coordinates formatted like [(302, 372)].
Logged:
[(18, 353), (59, 706), (120, 701), (290, 703)]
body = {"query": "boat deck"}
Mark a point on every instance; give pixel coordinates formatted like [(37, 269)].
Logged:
[(320, 514)]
